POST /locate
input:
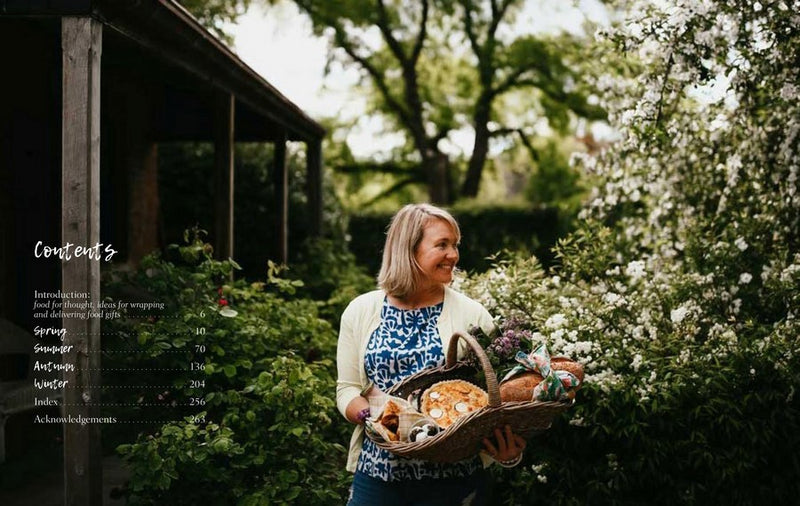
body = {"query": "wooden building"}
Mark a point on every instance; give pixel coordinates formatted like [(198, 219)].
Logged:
[(89, 90)]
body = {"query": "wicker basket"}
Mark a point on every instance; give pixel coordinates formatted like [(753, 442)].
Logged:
[(463, 439)]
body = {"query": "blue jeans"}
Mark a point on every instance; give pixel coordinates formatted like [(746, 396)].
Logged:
[(468, 491)]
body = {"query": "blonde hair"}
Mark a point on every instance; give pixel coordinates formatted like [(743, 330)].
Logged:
[(400, 273)]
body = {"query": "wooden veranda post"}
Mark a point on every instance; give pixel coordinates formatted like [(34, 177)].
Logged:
[(314, 185), (280, 180), (223, 175), (81, 44)]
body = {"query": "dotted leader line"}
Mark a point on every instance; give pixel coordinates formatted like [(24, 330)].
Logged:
[(123, 386), (128, 334), (100, 334), (134, 405), (130, 317), (123, 370), (157, 317), (141, 351)]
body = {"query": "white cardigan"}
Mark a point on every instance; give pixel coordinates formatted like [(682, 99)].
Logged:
[(360, 319)]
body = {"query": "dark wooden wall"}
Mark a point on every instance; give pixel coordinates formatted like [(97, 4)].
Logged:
[(130, 205), (30, 162)]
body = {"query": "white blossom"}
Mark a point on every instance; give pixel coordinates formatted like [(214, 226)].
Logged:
[(637, 362), (612, 299), (790, 91), (635, 270), (677, 315), (556, 321)]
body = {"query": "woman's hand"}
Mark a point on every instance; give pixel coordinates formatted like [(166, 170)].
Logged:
[(509, 446), (370, 400), (355, 410)]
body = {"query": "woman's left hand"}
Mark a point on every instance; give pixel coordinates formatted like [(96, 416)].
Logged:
[(509, 445)]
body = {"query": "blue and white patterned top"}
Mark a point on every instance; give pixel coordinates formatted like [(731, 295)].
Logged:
[(405, 342)]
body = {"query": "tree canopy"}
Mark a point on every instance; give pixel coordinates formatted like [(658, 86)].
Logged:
[(435, 67)]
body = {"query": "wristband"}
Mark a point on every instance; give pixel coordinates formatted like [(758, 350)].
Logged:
[(362, 415), (511, 462)]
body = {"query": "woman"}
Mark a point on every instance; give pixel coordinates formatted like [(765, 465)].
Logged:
[(391, 333)]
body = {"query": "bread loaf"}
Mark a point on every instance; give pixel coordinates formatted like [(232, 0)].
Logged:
[(520, 387), (565, 364)]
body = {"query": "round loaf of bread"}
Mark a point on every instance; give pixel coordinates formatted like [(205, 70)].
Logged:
[(520, 387), (565, 364)]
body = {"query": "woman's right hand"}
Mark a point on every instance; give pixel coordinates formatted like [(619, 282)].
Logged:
[(371, 398), (375, 396), (355, 408)]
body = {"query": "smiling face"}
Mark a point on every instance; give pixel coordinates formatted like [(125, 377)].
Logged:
[(437, 253)]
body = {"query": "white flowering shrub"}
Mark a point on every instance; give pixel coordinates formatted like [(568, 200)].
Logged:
[(679, 291)]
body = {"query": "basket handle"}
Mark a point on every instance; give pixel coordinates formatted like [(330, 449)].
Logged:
[(491, 379)]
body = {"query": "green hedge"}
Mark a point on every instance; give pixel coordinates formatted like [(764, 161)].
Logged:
[(727, 439), (485, 230), (245, 400), (676, 409)]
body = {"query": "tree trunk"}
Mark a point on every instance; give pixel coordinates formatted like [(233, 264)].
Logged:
[(440, 184), (480, 149)]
